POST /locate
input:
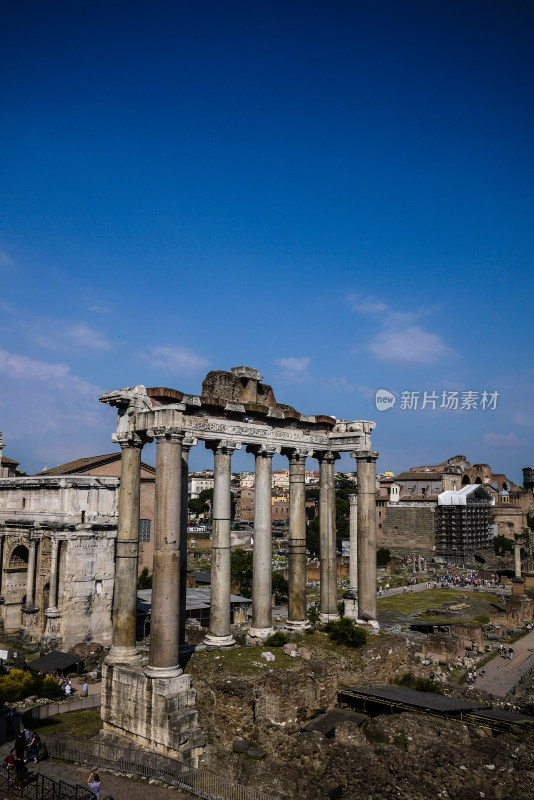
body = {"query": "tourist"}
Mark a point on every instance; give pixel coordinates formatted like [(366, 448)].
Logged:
[(469, 677), (67, 689), (510, 653), (9, 761), (85, 689), (35, 746), (10, 719), (94, 783), (19, 771), (20, 745)]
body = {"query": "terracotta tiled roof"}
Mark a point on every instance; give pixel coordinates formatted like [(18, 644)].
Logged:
[(84, 464), (6, 460)]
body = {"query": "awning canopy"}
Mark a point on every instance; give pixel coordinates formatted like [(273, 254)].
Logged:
[(56, 660)]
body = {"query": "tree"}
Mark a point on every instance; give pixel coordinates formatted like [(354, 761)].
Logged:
[(144, 580), (502, 545), (383, 557), (197, 506), (312, 537), (280, 586), (241, 571)]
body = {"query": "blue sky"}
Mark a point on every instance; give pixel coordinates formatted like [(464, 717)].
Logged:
[(339, 194)]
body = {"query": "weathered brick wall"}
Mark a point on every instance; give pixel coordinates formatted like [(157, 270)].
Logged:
[(409, 529)]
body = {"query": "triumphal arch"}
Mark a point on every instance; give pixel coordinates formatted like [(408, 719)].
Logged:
[(153, 703)]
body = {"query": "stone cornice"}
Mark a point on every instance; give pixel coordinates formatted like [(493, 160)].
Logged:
[(211, 419)]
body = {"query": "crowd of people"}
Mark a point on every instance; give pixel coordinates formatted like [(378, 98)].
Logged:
[(26, 748), (460, 580)]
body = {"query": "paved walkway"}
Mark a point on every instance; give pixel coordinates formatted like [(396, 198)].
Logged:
[(503, 673), (115, 786)]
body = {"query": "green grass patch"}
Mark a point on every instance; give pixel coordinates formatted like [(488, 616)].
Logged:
[(420, 604), (76, 724)]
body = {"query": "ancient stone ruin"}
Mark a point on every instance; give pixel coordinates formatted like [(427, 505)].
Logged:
[(152, 704)]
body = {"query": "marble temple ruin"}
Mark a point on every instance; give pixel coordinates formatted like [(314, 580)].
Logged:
[(152, 704)]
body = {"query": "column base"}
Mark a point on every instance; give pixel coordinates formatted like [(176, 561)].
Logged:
[(125, 655), (259, 633), (328, 617), (219, 641), (163, 672), (369, 624), (351, 606), (297, 624)]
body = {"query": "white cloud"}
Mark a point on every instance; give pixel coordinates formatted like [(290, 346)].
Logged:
[(64, 336), (412, 345), (335, 384), (508, 440), (179, 360), (50, 415), (400, 340), (366, 305), (294, 370), (84, 336)]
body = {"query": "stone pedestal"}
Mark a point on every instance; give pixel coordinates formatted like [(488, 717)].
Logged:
[(51, 639), (156, 714), (28, 628)]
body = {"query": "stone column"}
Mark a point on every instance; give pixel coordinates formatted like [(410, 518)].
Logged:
[(50, 639), (366, 463), (262, 618), (30, 578), (163, 660), (351, 595), (219, 633), (124, 650), (517, 560), (187, 444), (52, 600), (297, 611), (327, 532)]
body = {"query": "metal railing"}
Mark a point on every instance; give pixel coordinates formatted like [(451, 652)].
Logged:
[(41, 787), (152, 765)]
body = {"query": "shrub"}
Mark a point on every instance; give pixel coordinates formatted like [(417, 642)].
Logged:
[(344, 631), (18, 684), (50, 688), (383, 557), (277, 639), (313, 613), (420, 684), (144, 580)]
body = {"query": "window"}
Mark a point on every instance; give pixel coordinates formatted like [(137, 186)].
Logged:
[(144, 530)]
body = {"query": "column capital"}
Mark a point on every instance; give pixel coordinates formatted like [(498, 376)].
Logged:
[(327, 456), (353, 499), (129, 439), (223, 446), (166, 432), (188, 443), (266, 450), (297, 454), (365, 455)]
